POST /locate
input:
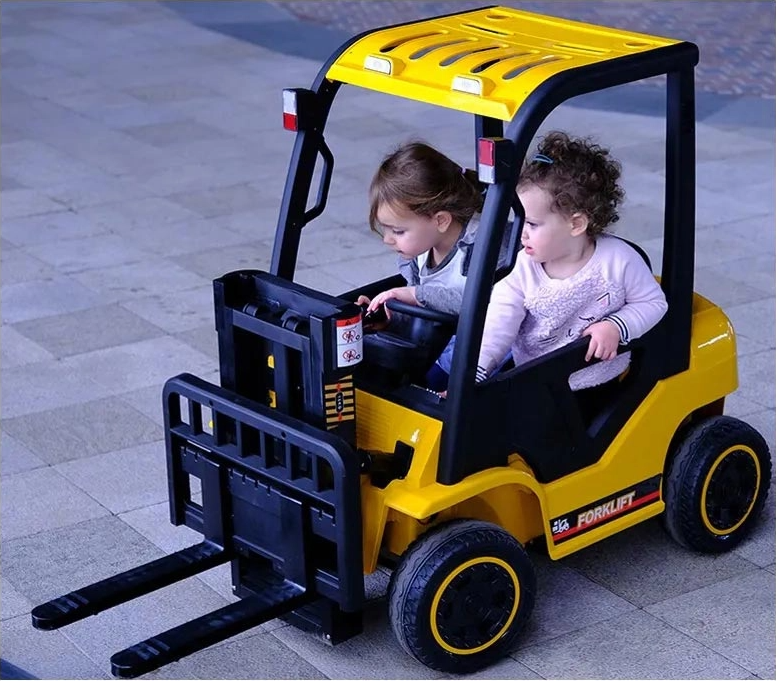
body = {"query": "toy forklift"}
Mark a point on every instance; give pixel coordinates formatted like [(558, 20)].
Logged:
[(321, 456)]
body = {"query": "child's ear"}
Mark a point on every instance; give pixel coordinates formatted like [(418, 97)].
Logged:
[(443, 220), (579, 223)]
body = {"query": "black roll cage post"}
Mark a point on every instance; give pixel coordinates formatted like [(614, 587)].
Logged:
[(460, 435)]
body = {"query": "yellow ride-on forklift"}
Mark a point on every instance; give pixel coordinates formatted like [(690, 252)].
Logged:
[(321, 456)]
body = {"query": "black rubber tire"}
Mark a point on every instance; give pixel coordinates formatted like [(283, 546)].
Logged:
[(453, 571), (716, 484)]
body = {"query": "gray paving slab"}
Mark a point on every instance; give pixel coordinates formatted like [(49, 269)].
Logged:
[(732, 617), (59, 225), (12, 603), (15, 457), (121, 480), (632, 642), (44, 297), (177, 310), (22, 646), (136, 365), (261, 656), (373, 654), (211, 263), (759, 548), (150, 276), (49, 501), (17, 350), (45, 385), (82, 430), (650, 575), (86, 330)]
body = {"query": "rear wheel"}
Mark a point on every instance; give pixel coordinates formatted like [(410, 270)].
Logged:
[(461, 595), (716, 484)]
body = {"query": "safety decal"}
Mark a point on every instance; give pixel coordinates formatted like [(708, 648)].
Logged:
[(339, 400), (604, 510), (350, 341)]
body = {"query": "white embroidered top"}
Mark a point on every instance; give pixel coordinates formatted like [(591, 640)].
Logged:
[(534, 314)]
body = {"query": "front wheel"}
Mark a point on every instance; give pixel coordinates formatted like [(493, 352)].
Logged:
[(461, 595), (716, 484)]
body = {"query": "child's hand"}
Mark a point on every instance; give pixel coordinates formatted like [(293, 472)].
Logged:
[(404, 294), (604, 339), (362, 300)]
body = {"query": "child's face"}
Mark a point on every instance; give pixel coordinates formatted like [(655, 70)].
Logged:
[(410, 234), (547, 234)]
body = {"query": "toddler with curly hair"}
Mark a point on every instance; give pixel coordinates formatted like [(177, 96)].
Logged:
[(571, 278)]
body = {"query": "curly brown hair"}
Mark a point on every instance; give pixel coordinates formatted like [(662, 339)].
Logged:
[(418, 177), (581, 177)]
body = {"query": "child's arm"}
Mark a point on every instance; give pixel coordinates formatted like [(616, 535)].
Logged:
[(506, 312), (645, 302)]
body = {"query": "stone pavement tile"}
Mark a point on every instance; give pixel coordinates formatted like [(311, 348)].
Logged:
[(637, 646), (765, 423), (45, 385), (724, 291), (203, 338), (50, 227), (49, 501), (260, 656), (254, 225), (639, 222), (739, 406), (641, 565), (566, 601), (137, 365), (165, 134), (755, 272), (87, 330), (99, 188), (152, 275), (17, 267), (374, 654), (212, 263), (55, 295), (20, 203), (12, 603), (176, 311), (124, 217), (734, 240), (362, 271), (188, 236), (17, 350), (721, 175), (47, 655), (755, 377), (121, 480), (733, 618), (739, 202), (507, 668), (755, 320), (759, 547), (15, 457), (220, 200), (36, 163), (771, 568), (82, 430), (339, 244), (319, 279), (148, 401), (94, 252)]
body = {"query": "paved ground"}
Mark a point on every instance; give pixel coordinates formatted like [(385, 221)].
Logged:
[(142, 156)]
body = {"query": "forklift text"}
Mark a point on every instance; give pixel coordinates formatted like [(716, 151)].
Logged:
[(594, 515)]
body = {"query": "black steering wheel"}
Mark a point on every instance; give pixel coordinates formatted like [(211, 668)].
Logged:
[(422, 312)]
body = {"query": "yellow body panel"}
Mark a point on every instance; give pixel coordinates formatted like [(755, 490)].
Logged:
[(504, 53), (510, 496)]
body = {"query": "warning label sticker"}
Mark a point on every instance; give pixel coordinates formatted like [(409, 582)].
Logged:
[(350, 341)]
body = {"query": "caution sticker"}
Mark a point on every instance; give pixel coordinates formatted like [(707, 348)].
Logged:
[(350, 341)]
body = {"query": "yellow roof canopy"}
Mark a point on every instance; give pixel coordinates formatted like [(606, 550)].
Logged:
[(483, 62)]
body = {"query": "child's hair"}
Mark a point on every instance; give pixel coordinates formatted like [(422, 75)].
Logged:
[(581, 177), (425, 181)]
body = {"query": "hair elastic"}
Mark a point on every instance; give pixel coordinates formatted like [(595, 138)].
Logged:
[(541, 158)]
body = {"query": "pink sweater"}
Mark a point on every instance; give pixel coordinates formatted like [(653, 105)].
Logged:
[(534, 314)]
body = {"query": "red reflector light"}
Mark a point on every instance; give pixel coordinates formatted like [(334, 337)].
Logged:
[(486, 151), (289, 121)]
